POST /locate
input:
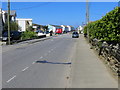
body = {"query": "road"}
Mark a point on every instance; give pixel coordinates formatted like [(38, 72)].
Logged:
[(20, 69), (58, 62)]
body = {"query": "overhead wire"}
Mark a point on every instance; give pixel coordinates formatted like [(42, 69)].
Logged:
[(46, 3), (36, 6)]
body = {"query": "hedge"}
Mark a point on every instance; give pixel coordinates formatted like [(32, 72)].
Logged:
[(107, 28)]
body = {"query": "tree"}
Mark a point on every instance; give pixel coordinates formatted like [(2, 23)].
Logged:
[(13, 26), (30, 28)]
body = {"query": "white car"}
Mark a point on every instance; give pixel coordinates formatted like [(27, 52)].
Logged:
[(41, 34), (47, 33)]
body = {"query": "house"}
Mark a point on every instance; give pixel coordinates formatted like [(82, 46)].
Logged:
[(55, 28), (24, 23), (64, 28), (1, 22), (39, 27), (3, 17), (70, 28), (80, 29), (12, 15)]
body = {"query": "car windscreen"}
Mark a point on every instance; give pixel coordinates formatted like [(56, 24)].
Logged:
[(75, 32)]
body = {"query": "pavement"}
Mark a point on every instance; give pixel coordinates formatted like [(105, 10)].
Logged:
[(88, 71)]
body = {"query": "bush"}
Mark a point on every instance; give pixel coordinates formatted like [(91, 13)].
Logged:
[(107, 28), (28, 35)]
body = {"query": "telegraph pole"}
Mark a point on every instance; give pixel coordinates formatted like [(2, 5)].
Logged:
[(87, 16), (8, 18)]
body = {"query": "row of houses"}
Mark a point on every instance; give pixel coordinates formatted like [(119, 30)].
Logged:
[(60, 28), (24, 23)]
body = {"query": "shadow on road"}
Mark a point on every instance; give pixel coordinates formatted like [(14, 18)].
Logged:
[(44, 61)]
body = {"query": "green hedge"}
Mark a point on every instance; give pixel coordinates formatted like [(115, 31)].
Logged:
[(107, 28), (28, 35)]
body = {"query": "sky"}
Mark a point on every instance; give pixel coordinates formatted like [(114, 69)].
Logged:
[(57, 13)]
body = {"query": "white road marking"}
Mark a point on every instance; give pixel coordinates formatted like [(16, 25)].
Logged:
[(11, 79), (25, 69)]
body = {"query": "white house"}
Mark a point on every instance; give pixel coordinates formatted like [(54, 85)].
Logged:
[(64, 28), (3, 17), (80, 29), (24, 23), (1, 24), (12, 15), (53, 27), (70, 28)]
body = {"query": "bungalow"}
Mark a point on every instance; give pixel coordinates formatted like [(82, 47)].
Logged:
[(24, 23), (55, 28)]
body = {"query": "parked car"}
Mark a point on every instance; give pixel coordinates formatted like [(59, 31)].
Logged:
[(14, 35), (40, 33), (47, 33), (75, 34)]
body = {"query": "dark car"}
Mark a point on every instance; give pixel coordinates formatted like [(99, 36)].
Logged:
[(14, 35), (75, 35)]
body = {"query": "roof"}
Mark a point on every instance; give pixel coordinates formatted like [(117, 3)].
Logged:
[(64, 25), (12, 12), (37, 24), (55, 25), (25, 19), (69, 26)]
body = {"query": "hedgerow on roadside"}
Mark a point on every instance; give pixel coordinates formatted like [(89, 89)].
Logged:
[(107, 28)]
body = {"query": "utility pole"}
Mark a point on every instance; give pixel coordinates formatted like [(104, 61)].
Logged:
[(87, 16), (8, 18)]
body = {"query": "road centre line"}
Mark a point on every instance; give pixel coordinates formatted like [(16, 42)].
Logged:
[(25, 69), (11, 79)]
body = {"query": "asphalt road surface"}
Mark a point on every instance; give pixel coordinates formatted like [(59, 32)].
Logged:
[(21, 69), (58, 62)]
